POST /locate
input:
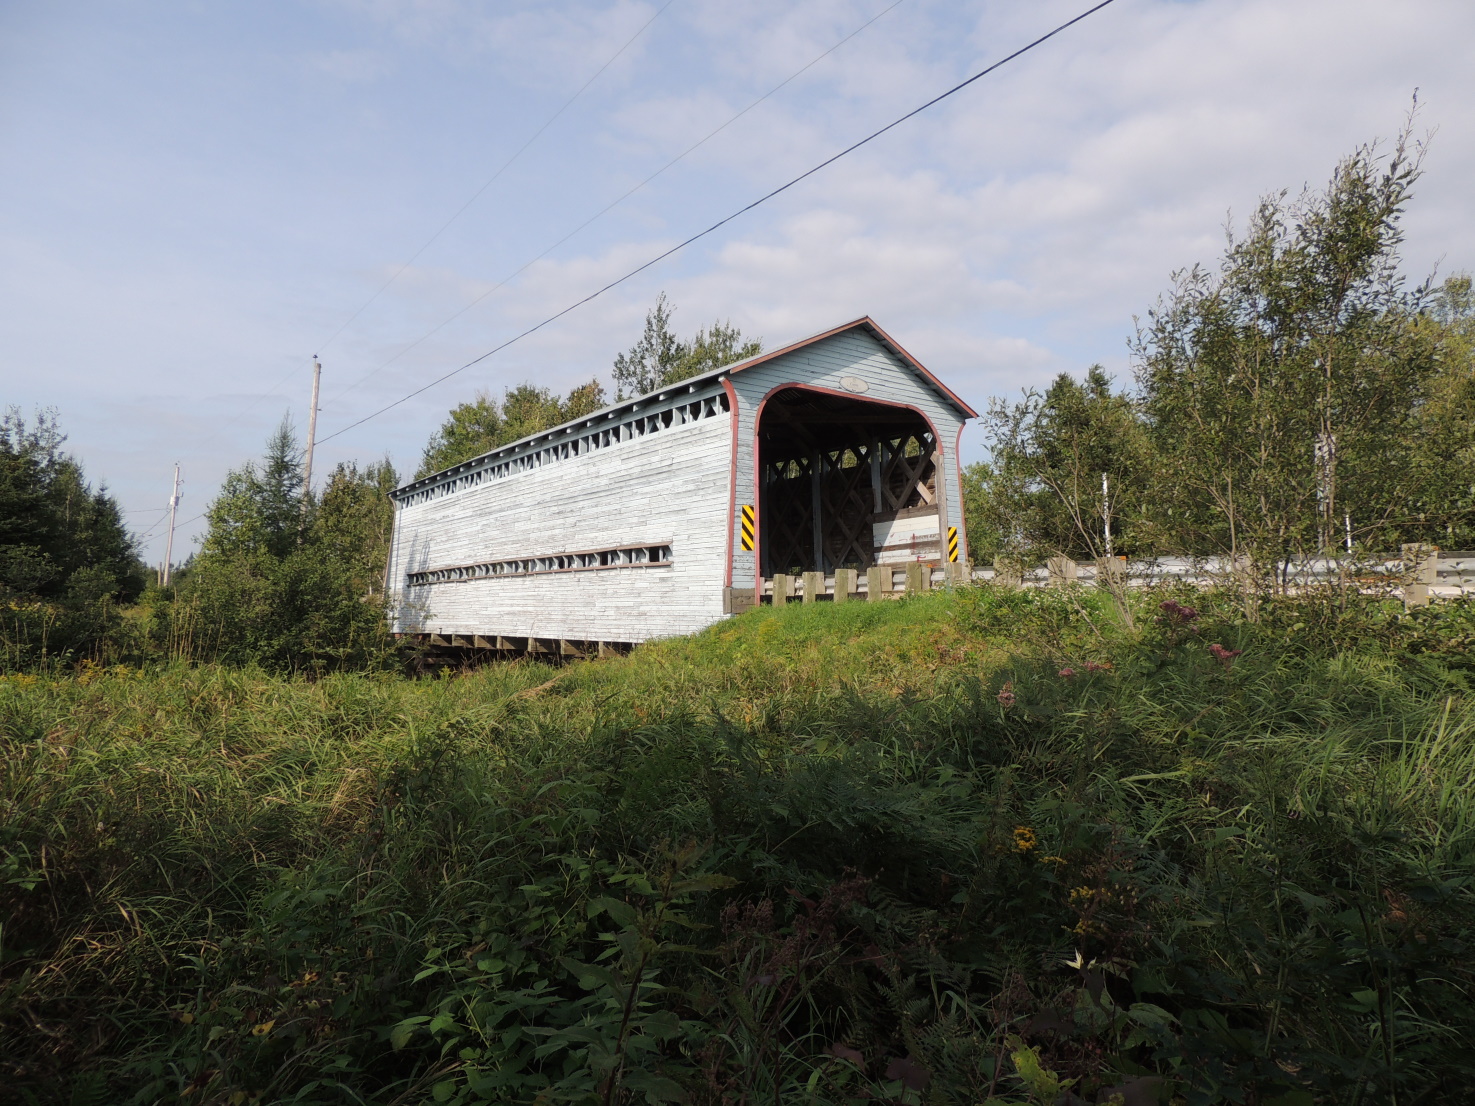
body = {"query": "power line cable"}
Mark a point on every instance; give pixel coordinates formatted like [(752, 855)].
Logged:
[(609, 207), (504, 167), (724, 221), (151, 530), (474, 197), (177, 525)]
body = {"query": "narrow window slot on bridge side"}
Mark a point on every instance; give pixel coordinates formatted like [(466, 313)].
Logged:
[(625, 556)]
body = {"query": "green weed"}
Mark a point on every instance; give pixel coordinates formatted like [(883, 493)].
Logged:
[(973, 845)]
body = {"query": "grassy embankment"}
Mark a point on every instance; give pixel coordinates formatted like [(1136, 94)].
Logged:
[(936, 850)]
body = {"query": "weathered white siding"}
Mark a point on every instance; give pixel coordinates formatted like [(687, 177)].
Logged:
[(912, 536), (666, 488), (823, 364)]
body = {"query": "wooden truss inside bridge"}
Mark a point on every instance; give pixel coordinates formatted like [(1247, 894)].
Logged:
[(831, 468)]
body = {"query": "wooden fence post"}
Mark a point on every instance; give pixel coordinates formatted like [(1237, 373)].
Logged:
[(1420, 569), (878, 582), (919, 577), (814, 586), (783, 589), (1111, 572), (844, 584), (1062, 572), (1008, 572)]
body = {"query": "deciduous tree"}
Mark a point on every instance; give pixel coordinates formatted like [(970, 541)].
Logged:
[(1282, 393), (1041, 492), (484, 423), (660, 358)]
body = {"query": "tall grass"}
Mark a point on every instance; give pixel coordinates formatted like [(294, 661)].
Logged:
[(968, 846)]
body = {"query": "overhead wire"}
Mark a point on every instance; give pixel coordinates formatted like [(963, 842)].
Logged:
[(178, 526), (608, 207), (151, 530), (494, 177), (462, 209), (727, 219)]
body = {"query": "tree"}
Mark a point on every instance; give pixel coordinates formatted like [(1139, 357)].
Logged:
[(354, 520), (287, 581), (660, 358), (483, 424), (1041, 493), (53, 524), (260, 507), (30, 533), (1442, 510), (1282, 393), (66, 557)]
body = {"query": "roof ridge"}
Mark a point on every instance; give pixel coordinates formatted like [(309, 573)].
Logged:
[(689, 384)]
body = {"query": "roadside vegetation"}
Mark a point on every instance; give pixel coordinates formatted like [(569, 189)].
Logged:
[(1302, 397), (978, 845), (986, 846)]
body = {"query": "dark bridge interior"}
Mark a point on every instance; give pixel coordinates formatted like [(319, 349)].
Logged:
[(831, 468)]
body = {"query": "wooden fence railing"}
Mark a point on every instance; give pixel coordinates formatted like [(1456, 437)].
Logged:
[(1420, 574)]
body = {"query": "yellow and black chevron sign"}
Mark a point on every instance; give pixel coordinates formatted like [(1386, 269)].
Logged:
[(747, 527), (952, 543)]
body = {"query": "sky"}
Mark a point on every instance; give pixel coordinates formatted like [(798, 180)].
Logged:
[(197, 197)]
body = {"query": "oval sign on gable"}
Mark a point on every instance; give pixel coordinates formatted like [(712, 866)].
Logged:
[(854, 384)]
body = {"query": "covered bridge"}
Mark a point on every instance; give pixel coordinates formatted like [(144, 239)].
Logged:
[(821, 470)]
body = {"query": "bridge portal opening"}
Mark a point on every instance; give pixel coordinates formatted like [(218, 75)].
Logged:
[(844, 483)]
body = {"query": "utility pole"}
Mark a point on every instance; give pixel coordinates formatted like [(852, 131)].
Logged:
[(173, 508), (312, 431)]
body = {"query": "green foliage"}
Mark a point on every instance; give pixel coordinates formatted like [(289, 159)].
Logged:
[(260, 510), (660, 358), (483, 424), (1441, 510), (1283, 393), (66, 558), (353, 519), (969, 846), (284, 580), (1299, 391), (1042, 492)]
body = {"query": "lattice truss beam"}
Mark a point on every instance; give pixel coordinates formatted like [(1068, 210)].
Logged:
[(827, 479)]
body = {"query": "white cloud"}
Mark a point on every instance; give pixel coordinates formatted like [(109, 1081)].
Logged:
[(1004, 236), (541, 45)]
